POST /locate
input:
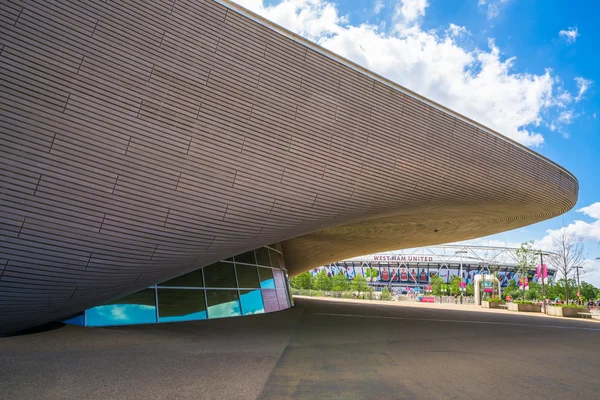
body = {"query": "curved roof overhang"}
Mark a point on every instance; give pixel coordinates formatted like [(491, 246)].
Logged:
[(141, 142)]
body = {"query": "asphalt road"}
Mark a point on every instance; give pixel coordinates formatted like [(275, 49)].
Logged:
[(318, 350)]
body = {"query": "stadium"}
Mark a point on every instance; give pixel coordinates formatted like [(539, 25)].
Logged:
[(410, 271)]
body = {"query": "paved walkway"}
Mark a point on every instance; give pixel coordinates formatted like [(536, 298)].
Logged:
[(321, 349), (440, 306)]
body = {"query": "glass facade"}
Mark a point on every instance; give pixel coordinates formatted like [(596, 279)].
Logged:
[(254, 282)]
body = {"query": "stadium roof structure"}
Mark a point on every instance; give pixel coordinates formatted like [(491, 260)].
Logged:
[(142, 140), (453, 254)]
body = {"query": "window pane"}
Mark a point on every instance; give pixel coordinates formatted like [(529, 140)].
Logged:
[(266, 278), (220, 275), (270, 300), (252, 302), (79, 319), (282, 299), (274, 259), (262, 256), (247, 258), (223, 303), (191, 279), (180, 305), (247, 276), (279, 279), (136, 308)]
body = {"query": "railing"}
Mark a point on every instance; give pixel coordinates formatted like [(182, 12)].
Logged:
[(373, 295)]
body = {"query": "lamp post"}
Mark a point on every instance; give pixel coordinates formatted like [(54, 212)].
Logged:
[(577, 267), (483, 284), (460, 285), (443, 288), (542, 269)]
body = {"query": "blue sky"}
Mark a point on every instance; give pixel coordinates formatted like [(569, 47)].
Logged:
[(526, 68)]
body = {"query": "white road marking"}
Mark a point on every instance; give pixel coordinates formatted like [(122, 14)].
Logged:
[(459, 321)]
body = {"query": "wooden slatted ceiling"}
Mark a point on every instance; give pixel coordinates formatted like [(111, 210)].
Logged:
[(142, 139)]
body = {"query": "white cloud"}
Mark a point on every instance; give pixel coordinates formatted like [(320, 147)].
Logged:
[(489, 242), (491, 7), (566, 117), (570, 34), (478, 83), (410, 11), (592, 211), (582, 85), (313, 19), (379, 5), (591, 272), (456, 30), (589, 231)]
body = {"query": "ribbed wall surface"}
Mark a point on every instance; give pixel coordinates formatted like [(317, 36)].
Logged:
[(142, 139)]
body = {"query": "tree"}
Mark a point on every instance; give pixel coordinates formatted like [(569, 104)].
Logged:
[(526, 258), (470, 290), (323, 282), (385, 294), (436, 285), (359, 284), (588, 291), (512, 289), (534, 292), (568, 254), (303, 281), (340, 283), (454, 287)]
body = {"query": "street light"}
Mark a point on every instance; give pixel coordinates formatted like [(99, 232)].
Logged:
[(461, 252), (542, 269), (577, 267)]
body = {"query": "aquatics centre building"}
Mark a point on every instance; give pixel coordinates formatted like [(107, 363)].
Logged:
[(144, 140), (412, 270)]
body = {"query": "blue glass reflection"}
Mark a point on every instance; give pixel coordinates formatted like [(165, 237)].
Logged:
[(252, 302), (189, 317), (120, 314), (229, 309), (78, 320), (268, 284)]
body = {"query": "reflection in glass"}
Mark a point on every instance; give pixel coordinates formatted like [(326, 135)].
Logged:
[(279, 278), (136, 308), (223, 303), (252, 302), (76, 320), (282, 299), (247, 276), (274, 258), (270, 300), (247, 258), (220, 275), (262, 256), (180, 305), (191, 279), (266, 278)]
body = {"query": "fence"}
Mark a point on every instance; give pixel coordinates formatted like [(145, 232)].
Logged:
[(373, 295)]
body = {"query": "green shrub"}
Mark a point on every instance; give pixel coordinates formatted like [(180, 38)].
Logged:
[(570, 306), (525, 302), (496, 300), (385, 294)]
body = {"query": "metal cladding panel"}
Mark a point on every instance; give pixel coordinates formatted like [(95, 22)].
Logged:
[(143, 139)]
